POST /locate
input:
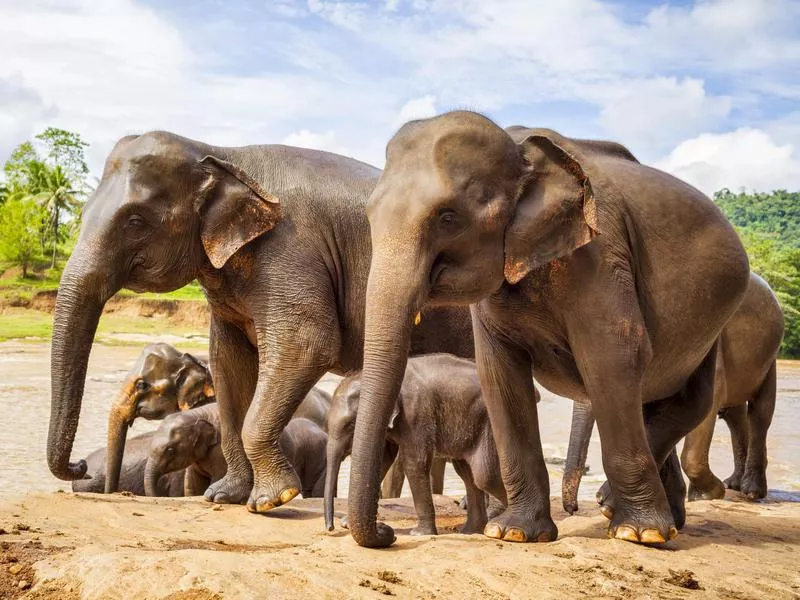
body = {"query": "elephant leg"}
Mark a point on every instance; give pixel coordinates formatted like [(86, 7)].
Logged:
[(505, 374), (392, 486), (759, 417), (667, 421), (735, 418), (234, 363), (674, 487), (417, 465), (476, 500), (437, 475), (703, 484), (194, 481)]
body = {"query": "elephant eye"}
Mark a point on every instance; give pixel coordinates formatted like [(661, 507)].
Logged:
[(447, 217), (135, 222), (142, 385)]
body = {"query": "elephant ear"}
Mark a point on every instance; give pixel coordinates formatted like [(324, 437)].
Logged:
[(237, 209), (205, 435), (556, 211)]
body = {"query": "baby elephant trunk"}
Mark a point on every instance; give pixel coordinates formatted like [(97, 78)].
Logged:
[(335, 457), (151, 476)]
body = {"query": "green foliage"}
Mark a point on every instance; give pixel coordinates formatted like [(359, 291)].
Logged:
[(769, 226), (20, 220)]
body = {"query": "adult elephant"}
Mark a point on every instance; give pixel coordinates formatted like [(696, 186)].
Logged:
[(163, 381), (744, 396), (466, 212), (279, 240)]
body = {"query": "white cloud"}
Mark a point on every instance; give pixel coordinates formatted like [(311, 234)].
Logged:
[(417, 108), (655, 114), (318, 141), (745, 158), (20, 107)]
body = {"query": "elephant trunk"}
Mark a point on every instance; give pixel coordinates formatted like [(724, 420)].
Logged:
[(119, 419), (79, 304), (579, 436), (395, 292), (151, 476), (335, 456)]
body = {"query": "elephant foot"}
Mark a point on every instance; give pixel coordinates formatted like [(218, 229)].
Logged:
[(606, 500), (754, 485), (641, 527), (427, 529), (519, 526), (713, 489), (267, 495), (474, 526), (229, 490), (734, 482)]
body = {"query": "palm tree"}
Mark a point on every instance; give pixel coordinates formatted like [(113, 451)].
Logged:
[(54, 191)]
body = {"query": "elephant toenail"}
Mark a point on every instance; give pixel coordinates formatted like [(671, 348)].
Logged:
[(288, 494), (544, 537), (673, 532), (493, 530), (627, 533), (606, 511), (514, 534), (652, 536)]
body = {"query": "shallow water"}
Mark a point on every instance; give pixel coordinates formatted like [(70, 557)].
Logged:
[(25, 413)]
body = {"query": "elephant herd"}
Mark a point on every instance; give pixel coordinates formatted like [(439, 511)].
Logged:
[(489, 257)]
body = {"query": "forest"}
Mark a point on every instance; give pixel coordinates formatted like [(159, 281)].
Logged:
[(45, 183)]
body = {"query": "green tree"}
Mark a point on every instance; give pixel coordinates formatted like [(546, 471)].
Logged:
[(19, 231), (56, 197), (66, 149)]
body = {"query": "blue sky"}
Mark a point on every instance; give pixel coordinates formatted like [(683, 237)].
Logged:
[(706, 89)]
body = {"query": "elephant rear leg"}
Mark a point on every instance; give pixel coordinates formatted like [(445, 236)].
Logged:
[(437, 475), (759, 418), (392, 486), (234, 363), (476, 499), (736, 419)]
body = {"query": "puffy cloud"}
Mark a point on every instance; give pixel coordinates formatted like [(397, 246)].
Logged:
[(20, 107), (418, 108), (745, 158), (317, 141)]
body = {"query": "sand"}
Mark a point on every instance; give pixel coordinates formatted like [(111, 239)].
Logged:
[(92, 546)]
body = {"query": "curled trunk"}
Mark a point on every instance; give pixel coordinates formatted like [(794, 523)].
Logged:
[(579, 436), (394, 295), (151, 477), (78, 307)]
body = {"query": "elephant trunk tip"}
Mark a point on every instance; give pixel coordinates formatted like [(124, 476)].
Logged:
[(70, 471)]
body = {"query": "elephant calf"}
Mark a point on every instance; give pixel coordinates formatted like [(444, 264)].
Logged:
[(132, 469), (439, 413), (190, 440)]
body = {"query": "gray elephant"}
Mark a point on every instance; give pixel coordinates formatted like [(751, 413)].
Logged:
[(133, 466), (744, 396), (163, 381), (438, 413), (608, 279), (315, 407), (279, 240), (190, 441)]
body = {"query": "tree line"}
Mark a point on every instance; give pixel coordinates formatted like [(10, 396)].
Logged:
[(45, 183)]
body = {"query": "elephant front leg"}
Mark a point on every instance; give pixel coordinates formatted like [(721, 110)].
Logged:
[(505, 374), (476, 499), (290, 365), (759, 418), (234, 363)]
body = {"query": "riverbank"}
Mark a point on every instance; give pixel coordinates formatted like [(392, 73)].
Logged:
[(70, 546)]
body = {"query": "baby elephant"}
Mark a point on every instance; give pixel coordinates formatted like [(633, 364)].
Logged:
[(190, 440), (439, 413), (131, 473)]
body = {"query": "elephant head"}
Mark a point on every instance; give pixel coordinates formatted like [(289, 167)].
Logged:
[(462, 208), (162, 381), (341, 424), (166, 210), (181, 440)]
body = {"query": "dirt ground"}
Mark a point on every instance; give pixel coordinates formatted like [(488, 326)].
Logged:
[(91, 546)]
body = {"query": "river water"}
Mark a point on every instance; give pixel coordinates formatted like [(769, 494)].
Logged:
[(25, 412)]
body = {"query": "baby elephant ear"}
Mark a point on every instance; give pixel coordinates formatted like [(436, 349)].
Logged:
[(555, 212), (236, 210)]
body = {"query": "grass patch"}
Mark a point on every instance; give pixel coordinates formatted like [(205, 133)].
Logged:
[(19, 323)]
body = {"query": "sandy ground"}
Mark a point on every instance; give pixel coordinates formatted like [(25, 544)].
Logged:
[(90, 546)]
